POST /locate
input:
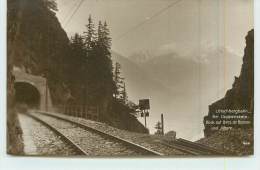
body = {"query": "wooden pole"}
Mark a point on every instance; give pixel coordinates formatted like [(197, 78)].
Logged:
[(144, 118), (162, 121), (46, 95)]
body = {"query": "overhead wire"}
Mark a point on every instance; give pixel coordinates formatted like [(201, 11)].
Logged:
[(66, 3), (147, 20), (74, 12), (133, 28), (69, 9)]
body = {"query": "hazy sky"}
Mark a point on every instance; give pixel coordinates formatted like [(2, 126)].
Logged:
[(183, 27)]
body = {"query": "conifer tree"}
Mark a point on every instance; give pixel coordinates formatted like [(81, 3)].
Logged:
[(158, 127), (103, 46), (106, 39), (99, 64), (124, 95), (90, 35), (78, 52), (77, 44), (51, 4), (119, 82), (95, 58), (90, 60), (77, 62), (100, 33)]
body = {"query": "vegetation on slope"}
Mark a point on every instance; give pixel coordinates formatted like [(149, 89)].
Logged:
[(80, 68)]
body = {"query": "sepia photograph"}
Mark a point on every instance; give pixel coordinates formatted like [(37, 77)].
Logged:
[(130, 78)]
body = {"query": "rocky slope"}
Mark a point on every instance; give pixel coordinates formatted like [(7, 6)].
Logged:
[(14, 132), (239, 97), (41, 45)]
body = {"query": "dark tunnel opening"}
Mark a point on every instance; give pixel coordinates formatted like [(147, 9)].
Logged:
[(26, 96)]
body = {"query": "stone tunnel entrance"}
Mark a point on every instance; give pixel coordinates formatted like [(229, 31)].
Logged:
[(26, 96), (31, 91)]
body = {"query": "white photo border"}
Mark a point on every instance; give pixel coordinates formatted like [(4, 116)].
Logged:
[(8, 162)]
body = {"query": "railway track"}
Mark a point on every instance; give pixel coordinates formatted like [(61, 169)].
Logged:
[(70, 142), (89, 141), (202, 149), (192, 148)]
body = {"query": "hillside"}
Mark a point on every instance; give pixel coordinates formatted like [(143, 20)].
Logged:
[(39, 45)]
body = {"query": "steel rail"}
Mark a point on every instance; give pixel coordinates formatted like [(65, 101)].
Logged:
[(198, 147), (59, 133), (181, 148), (101, 133)]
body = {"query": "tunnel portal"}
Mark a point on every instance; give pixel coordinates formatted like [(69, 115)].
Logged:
[(27, 94)]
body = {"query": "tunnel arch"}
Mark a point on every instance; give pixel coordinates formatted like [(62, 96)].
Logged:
[(27, 93)]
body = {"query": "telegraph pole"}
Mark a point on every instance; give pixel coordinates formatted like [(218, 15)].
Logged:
[(46, 94), (145, 118), (162, 121), (144, 105)]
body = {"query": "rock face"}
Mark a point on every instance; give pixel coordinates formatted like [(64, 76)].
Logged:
[(40, 45), (241, 95), (14, 132)]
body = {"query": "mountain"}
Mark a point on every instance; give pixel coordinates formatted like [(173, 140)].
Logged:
[(141, 85), (141, 57), (137, 78), (180, 87), (183, 69)]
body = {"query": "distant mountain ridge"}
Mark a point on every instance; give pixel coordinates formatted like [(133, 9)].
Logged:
[(180, 87), (140, 57)]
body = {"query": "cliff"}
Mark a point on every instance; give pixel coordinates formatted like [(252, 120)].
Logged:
[(238, 140), (241, 95), (41, 46)]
